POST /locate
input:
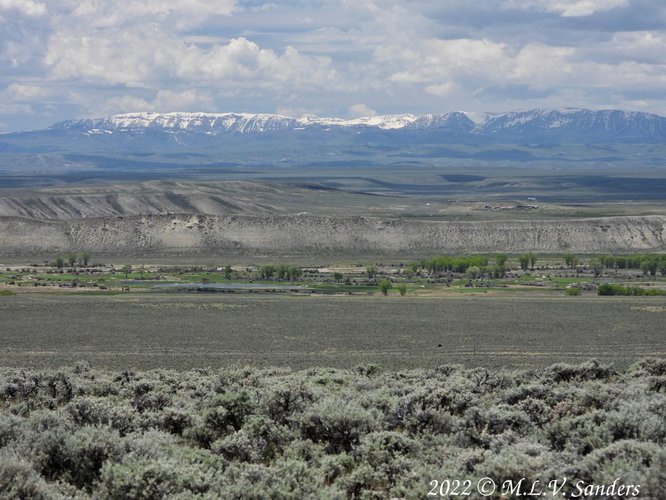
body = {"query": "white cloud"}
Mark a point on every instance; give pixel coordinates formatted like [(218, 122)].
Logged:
[(164, 101), (326, 56), (28, 8), (119, 57), (441, 89), (243, 61), (296, 112), (15, 109), (567, 8), (360, 111), (146, 59), (540, 66), (447, 67), (645, 46), (126, 42), (26, 93), (444, 58), (181, 14)]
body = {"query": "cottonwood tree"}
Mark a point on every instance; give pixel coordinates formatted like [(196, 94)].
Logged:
[(570, 260), (84, 258), (126, 270), (267, 272), (524, 260), (596, 266), (649, 266), (385, 285)]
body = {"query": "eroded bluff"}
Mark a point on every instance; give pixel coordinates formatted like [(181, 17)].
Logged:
[(310, 235)]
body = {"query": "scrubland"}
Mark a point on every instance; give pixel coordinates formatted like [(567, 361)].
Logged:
[(327, 433)]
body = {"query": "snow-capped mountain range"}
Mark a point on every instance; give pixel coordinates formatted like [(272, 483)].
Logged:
[(614, 124), (267, 137)]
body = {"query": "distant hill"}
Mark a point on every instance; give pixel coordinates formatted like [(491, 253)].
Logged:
[(140, 131)]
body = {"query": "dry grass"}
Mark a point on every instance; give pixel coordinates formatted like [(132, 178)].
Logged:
[(187, 331)]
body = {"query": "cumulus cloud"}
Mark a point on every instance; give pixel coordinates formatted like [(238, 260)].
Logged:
[(567, 8), (13, 109), (441, 89), (443, 67), (244, 61), (445, 58), (181, 14), (145, 59), (28, 8), (26, 93), (327, 56), (164, 101), (295, 112), (644, 46), (360, 111), (139, 44), (118, 57)]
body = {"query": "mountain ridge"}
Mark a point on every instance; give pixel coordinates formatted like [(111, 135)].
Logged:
[(547, 126), (476, 122), (264, 137)]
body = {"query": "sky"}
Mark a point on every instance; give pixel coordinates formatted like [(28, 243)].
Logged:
[(64, 59)]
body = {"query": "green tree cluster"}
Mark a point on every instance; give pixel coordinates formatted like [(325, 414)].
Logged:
[(281, 272), (84, 258), (71, 259), (648, 263), (451, 263), (461, 264), (527, 260), (126, 270), (570, 260), (473, 272), (615, 289), (385, 285), (596, 266)]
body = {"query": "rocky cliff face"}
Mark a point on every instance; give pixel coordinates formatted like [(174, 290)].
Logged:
[(164, 235)]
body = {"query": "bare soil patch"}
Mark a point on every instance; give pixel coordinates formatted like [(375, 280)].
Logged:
[(188, 331)]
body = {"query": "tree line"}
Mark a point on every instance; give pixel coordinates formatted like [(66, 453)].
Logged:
[(280, 272), (648, 263), (83, 258)]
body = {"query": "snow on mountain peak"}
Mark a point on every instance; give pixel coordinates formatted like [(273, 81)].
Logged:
[(382, 122), (508, 124), (238, 122)]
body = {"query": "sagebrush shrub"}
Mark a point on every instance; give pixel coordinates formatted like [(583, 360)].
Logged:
[(338, 425), (325, 433)]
